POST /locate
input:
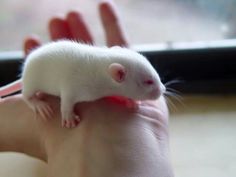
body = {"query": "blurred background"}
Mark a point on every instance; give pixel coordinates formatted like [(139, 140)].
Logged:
[(202, 127), (146, 21)]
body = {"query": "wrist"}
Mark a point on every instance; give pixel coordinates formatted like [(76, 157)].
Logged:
[(18, 129)]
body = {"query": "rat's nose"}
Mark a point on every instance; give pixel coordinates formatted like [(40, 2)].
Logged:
[(157, 92)]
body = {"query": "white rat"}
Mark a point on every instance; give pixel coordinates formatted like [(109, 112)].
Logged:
[(78, 72)]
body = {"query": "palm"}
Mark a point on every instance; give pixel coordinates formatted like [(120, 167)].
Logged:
[(110, 132)]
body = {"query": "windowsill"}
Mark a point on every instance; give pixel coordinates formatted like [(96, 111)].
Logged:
[(199, 68)]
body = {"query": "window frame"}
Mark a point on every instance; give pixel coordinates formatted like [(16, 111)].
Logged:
[(209, 68)]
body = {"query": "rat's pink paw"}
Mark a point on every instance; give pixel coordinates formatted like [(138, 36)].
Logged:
[(44, 110), (71, 123)]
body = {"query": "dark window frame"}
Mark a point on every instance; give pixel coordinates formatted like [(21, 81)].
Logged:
[(210, 69)]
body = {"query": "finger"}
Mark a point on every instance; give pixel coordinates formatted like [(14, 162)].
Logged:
[(111, 24), (31, 43), (41, 95), (50, 99), (59, 29), (78, 28)]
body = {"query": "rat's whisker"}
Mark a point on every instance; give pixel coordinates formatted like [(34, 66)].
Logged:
[(175, 96), (173, 90), (168, 83), (170, 103)]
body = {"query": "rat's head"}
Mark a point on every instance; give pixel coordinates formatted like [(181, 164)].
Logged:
[(136, 78)]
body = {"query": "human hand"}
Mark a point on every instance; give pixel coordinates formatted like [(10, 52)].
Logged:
[(112, 139)]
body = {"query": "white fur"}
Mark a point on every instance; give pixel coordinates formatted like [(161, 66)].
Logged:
[(77, 72)]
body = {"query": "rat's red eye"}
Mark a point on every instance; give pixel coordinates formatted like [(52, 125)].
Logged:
[(148, 82)]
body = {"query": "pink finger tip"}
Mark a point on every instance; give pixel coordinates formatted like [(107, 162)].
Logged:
[(73, 14)]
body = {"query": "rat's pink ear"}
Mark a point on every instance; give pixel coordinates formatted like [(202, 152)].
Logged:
[(117, 72)]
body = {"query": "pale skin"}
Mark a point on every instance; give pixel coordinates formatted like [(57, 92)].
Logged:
[(113, 139)]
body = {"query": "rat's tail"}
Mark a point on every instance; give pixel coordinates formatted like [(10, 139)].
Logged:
[(10, 88)]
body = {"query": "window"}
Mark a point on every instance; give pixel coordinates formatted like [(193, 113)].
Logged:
[(172, 24), (146, 21)]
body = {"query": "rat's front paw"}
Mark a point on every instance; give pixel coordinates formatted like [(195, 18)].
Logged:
[(71, 122), (42, 108)]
